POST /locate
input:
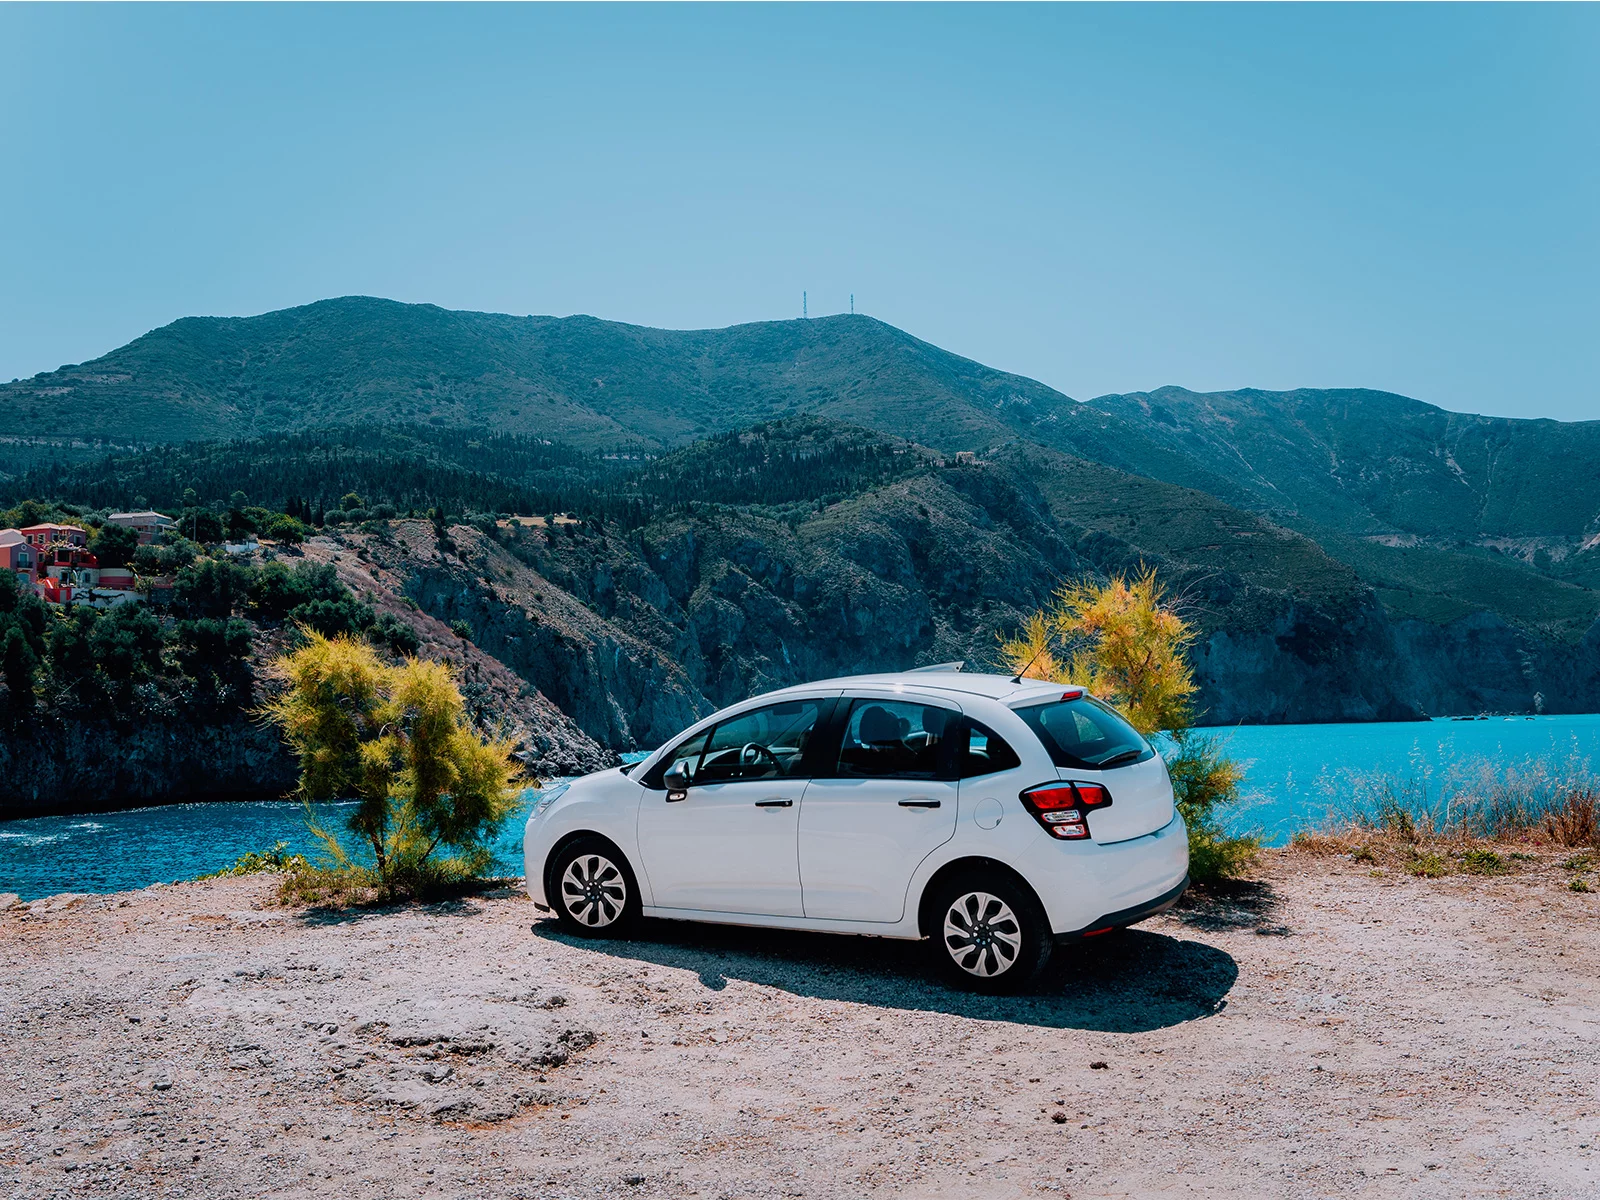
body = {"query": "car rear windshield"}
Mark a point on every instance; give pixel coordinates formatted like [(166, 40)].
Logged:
[(1085, 734)]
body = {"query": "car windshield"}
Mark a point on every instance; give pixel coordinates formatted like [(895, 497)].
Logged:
[(1084, 734), (767, 743)]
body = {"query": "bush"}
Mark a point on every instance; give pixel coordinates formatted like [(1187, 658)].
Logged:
[(390, 632), (462, 630), (201, 525), (257, 862), (165, 557), (71, 656), (1125, 643), (333, 618), (215, 654), (281, 527), (1482, 861), (398, 741), (277, 590), (114, 545), (1203, 780), (126, 642), (18, 662), (1426, 865), (213, 588)]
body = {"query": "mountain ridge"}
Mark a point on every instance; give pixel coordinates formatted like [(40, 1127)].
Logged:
[(1443, 513)]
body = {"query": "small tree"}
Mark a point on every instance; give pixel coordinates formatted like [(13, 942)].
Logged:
[(281, 527), (114, 545), (1127, 644), (397, 739)]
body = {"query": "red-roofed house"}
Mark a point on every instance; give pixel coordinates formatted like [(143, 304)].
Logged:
[(47, 535)]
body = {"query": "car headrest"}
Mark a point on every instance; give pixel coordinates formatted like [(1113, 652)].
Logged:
[(879, 726)]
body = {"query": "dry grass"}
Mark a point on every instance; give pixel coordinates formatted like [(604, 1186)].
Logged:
[(1478, 816), (1431, 858), (1575, 820)]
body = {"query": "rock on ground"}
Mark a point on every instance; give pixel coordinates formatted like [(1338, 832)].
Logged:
[(1326, 1032)]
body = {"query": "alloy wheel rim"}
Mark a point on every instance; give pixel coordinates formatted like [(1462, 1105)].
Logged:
[(594, 890), (982, 935)]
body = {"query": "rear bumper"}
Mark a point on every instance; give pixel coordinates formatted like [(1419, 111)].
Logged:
[(1128, 916)]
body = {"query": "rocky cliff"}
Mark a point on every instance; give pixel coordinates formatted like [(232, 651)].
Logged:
[(79, 762)]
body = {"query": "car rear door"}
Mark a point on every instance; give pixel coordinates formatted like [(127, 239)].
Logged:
[(878, 806), (729, 845)]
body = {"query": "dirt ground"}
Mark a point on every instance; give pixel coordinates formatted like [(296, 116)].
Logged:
[(1329, 1031)]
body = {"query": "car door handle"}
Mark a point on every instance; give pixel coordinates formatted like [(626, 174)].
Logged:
[(774, 803), (920, 802)]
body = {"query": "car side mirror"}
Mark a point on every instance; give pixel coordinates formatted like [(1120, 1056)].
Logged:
[(677, 781)]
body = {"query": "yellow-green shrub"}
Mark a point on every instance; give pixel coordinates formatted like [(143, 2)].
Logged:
[(1128, 645), (398, 741)]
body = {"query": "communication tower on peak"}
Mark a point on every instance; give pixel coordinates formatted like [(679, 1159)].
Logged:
[(852, 304), (804, 312)]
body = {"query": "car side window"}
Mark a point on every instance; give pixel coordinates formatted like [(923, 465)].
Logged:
[(766, 743), (895, 739), (983, 752)]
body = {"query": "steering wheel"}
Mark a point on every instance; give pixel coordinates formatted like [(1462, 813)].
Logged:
[(752, 753)]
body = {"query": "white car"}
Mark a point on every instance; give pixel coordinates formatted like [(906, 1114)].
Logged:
[(992, 816)]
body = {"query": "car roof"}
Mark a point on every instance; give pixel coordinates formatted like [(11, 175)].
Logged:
[(994, 687)]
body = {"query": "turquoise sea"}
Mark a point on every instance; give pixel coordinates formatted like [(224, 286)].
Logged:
[(1295, 775)]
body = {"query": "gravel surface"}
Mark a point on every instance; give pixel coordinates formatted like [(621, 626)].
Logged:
[(1325, 1032)]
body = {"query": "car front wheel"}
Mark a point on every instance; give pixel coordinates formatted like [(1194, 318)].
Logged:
[(592, 890), (989, 934)]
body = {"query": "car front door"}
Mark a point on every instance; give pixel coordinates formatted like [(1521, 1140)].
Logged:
[(885, 801), (729, 845)]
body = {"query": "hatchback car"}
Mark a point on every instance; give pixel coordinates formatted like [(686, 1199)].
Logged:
[(993, 817)]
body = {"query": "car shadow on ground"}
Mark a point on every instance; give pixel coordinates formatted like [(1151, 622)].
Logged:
[(320, 914), (1236, 904), (1132, 981)]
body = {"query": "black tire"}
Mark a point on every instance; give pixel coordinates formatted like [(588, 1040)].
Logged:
[(592, 889), (989, 933)]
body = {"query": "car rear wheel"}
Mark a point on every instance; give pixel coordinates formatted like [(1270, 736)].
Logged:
[(989, 934), (592, 889)]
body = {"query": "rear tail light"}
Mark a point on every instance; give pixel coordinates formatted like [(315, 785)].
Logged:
[(1062, 809)]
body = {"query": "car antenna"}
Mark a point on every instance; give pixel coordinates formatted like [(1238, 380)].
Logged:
[(1045, 645)]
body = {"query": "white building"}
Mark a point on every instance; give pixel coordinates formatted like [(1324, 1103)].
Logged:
[(146, 524)]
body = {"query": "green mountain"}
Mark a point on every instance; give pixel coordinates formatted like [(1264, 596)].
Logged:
[(1328, 499), (1360, 462), (579, 380)]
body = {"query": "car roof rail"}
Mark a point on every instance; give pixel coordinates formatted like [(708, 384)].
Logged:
[(937, 669)]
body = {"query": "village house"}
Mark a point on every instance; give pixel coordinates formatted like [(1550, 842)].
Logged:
[(47, 535), (56, 562), (16, 554), (65, 573), (148, 525)]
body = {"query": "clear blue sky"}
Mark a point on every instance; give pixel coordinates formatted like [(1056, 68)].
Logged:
[(1107, 199)]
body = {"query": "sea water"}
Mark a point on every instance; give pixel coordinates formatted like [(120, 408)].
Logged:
[(1299, 776), (1293, 779)]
